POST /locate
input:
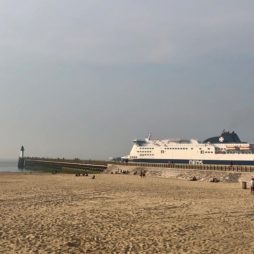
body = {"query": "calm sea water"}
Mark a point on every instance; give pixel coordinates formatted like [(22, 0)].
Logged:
[(9, 166)]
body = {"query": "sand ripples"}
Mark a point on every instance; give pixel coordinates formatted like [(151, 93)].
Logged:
[(122, 214)]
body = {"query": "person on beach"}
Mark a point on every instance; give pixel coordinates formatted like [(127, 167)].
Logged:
[(252, 186)]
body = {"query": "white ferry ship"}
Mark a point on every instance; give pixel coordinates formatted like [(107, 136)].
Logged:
[(226, 149)]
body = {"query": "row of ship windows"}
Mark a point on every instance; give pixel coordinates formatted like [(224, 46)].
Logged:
[(135, 157), (169, 148), (163, 151), (202, 152), (236, 152), (230, 152), (180, 148)]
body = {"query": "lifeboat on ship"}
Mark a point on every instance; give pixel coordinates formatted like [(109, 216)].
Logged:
[(245, 147)]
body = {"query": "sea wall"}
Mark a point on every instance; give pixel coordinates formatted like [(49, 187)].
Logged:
[(64, 166), (180, 173)]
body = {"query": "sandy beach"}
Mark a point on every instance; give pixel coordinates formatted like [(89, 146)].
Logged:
[(44, 213)]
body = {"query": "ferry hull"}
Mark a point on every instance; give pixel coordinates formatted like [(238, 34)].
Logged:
[(204, 162)]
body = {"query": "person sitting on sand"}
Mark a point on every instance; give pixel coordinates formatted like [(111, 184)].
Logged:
[(252, 185), (143, 173)]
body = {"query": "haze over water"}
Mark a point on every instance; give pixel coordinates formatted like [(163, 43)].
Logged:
[(8, 166)]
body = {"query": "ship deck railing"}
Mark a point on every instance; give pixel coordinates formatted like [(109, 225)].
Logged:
[(212, 167)]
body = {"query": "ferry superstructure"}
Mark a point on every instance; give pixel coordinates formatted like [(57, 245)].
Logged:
[(226, 149)]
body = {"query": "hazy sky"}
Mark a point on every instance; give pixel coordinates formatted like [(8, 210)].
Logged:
[(83, 78)]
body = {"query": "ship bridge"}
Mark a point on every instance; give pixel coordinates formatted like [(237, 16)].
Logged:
[(139, 142)]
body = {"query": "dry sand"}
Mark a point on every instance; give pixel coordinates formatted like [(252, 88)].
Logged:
[(43, 213)]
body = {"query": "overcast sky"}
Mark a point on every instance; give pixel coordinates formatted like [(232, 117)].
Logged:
[(84, 78)]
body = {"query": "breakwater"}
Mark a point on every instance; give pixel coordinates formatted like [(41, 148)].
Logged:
[(62, 165), (184, 172), (104, 166), (211, 167)]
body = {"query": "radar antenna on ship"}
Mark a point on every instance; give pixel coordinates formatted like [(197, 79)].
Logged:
[(149, 136)]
